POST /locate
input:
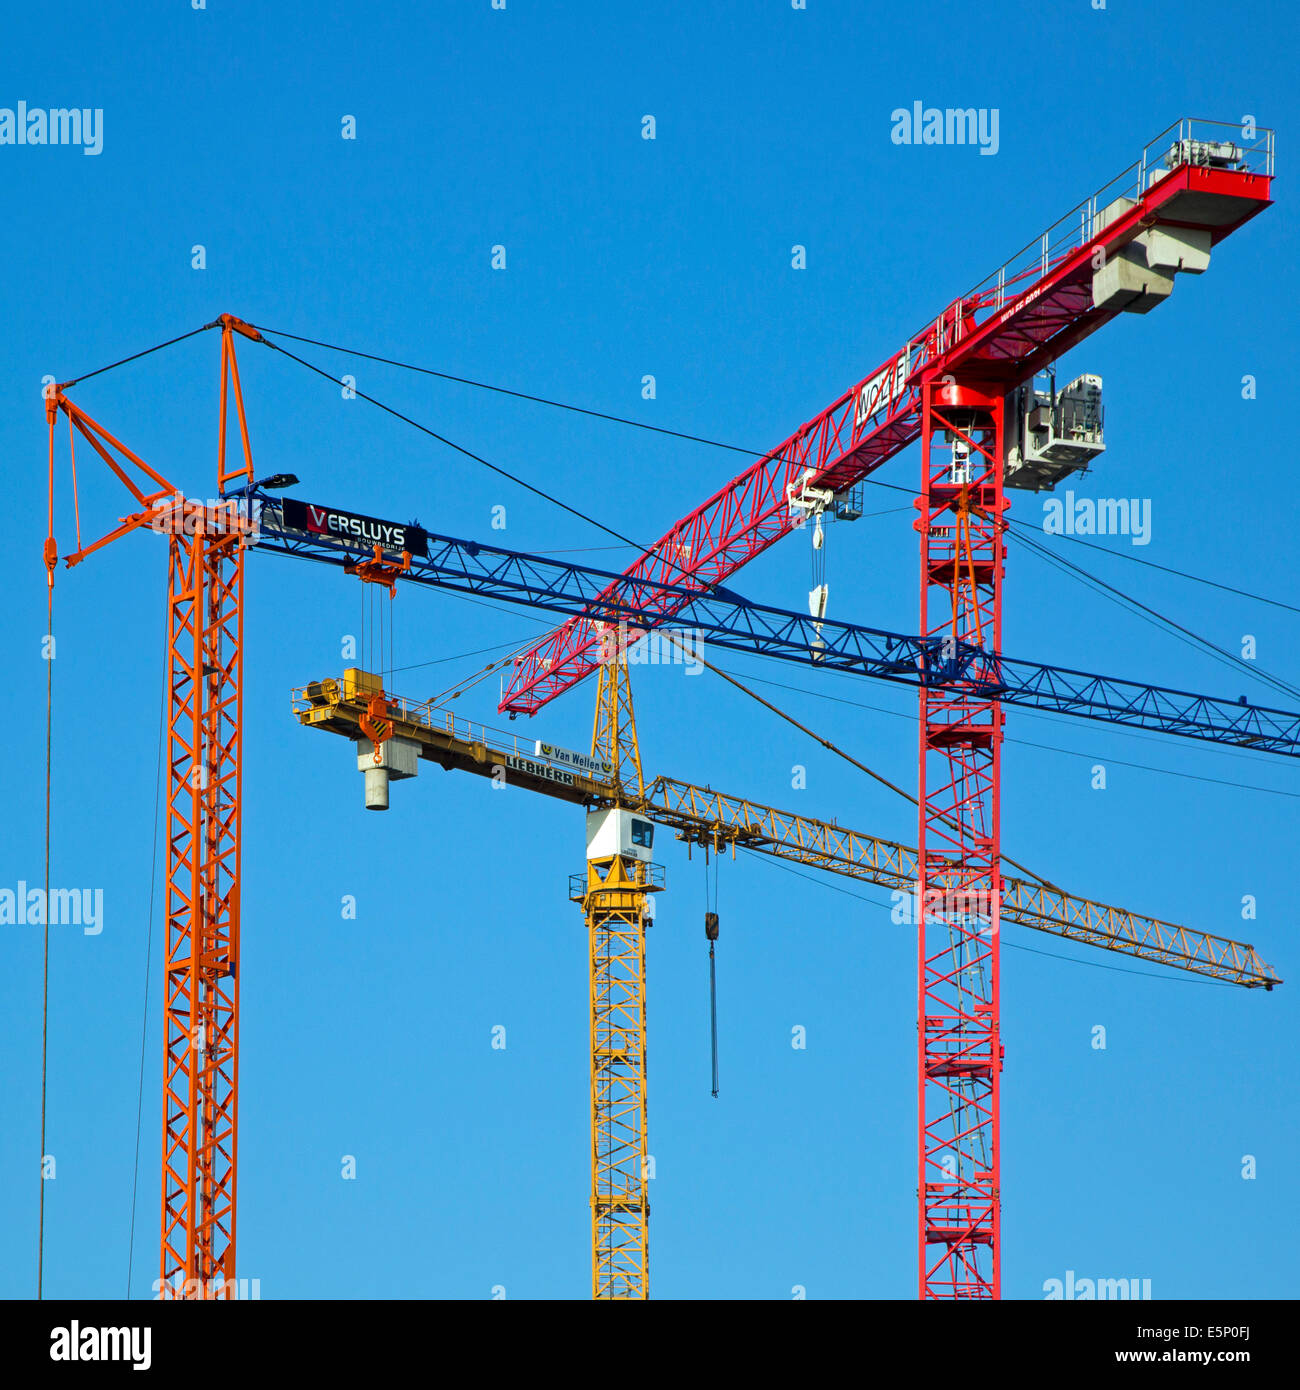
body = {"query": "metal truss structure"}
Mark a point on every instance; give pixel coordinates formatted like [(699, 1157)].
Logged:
[(946, 386), (1192, 187), (615, 903), (731, 623), (959, 850), (1016, 321)]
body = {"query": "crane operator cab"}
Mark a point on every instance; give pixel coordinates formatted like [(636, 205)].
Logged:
[(618, 832)]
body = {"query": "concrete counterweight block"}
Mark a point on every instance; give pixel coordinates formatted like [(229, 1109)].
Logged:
[(1142, 273), (1127, 282), (1185, 249), (398, 759)]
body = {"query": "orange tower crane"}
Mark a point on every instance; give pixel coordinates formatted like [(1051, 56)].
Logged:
[(205, 681)]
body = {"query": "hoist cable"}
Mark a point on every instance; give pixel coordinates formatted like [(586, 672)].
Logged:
[(148, 957), (45, 970), (713, 1016), (711, 933)]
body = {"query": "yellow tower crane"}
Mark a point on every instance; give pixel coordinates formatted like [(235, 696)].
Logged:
[(393, 734)]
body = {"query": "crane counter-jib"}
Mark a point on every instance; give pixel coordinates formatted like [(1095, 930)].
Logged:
[(347, 707)]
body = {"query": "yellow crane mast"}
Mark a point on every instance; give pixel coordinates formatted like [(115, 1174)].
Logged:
[(615, 897)]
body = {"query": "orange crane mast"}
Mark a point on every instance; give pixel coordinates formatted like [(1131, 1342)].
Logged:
[(205, 681)]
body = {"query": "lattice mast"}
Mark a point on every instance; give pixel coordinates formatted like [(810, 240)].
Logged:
[(205, 678), (617, 908), (959, 853)]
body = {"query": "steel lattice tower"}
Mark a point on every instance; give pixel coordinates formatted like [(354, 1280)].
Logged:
[(959, 857), (616, 906), (201, 982), (205, 680)]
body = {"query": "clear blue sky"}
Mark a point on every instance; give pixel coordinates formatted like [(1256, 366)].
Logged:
[(627, 257)]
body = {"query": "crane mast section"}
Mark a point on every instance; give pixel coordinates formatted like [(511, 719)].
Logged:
[(1015, 322), (205, 665), (613, 894)]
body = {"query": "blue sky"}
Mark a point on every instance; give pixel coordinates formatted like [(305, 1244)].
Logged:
[(628, 257)]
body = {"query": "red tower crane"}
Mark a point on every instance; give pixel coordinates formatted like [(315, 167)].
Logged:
[(952, 386)]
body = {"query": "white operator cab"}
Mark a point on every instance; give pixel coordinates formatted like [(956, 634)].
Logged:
[(617, 832)]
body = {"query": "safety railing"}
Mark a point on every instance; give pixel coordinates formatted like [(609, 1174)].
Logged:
[(1241, 147), (430, 715), (652, 877)]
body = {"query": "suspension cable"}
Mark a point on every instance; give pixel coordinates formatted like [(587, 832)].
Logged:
[(1083, 575), (1175, 628), (460, 449), (762, 857), (51, 560), (728, 447), (517, 395), (135, 356), (45, 969)]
